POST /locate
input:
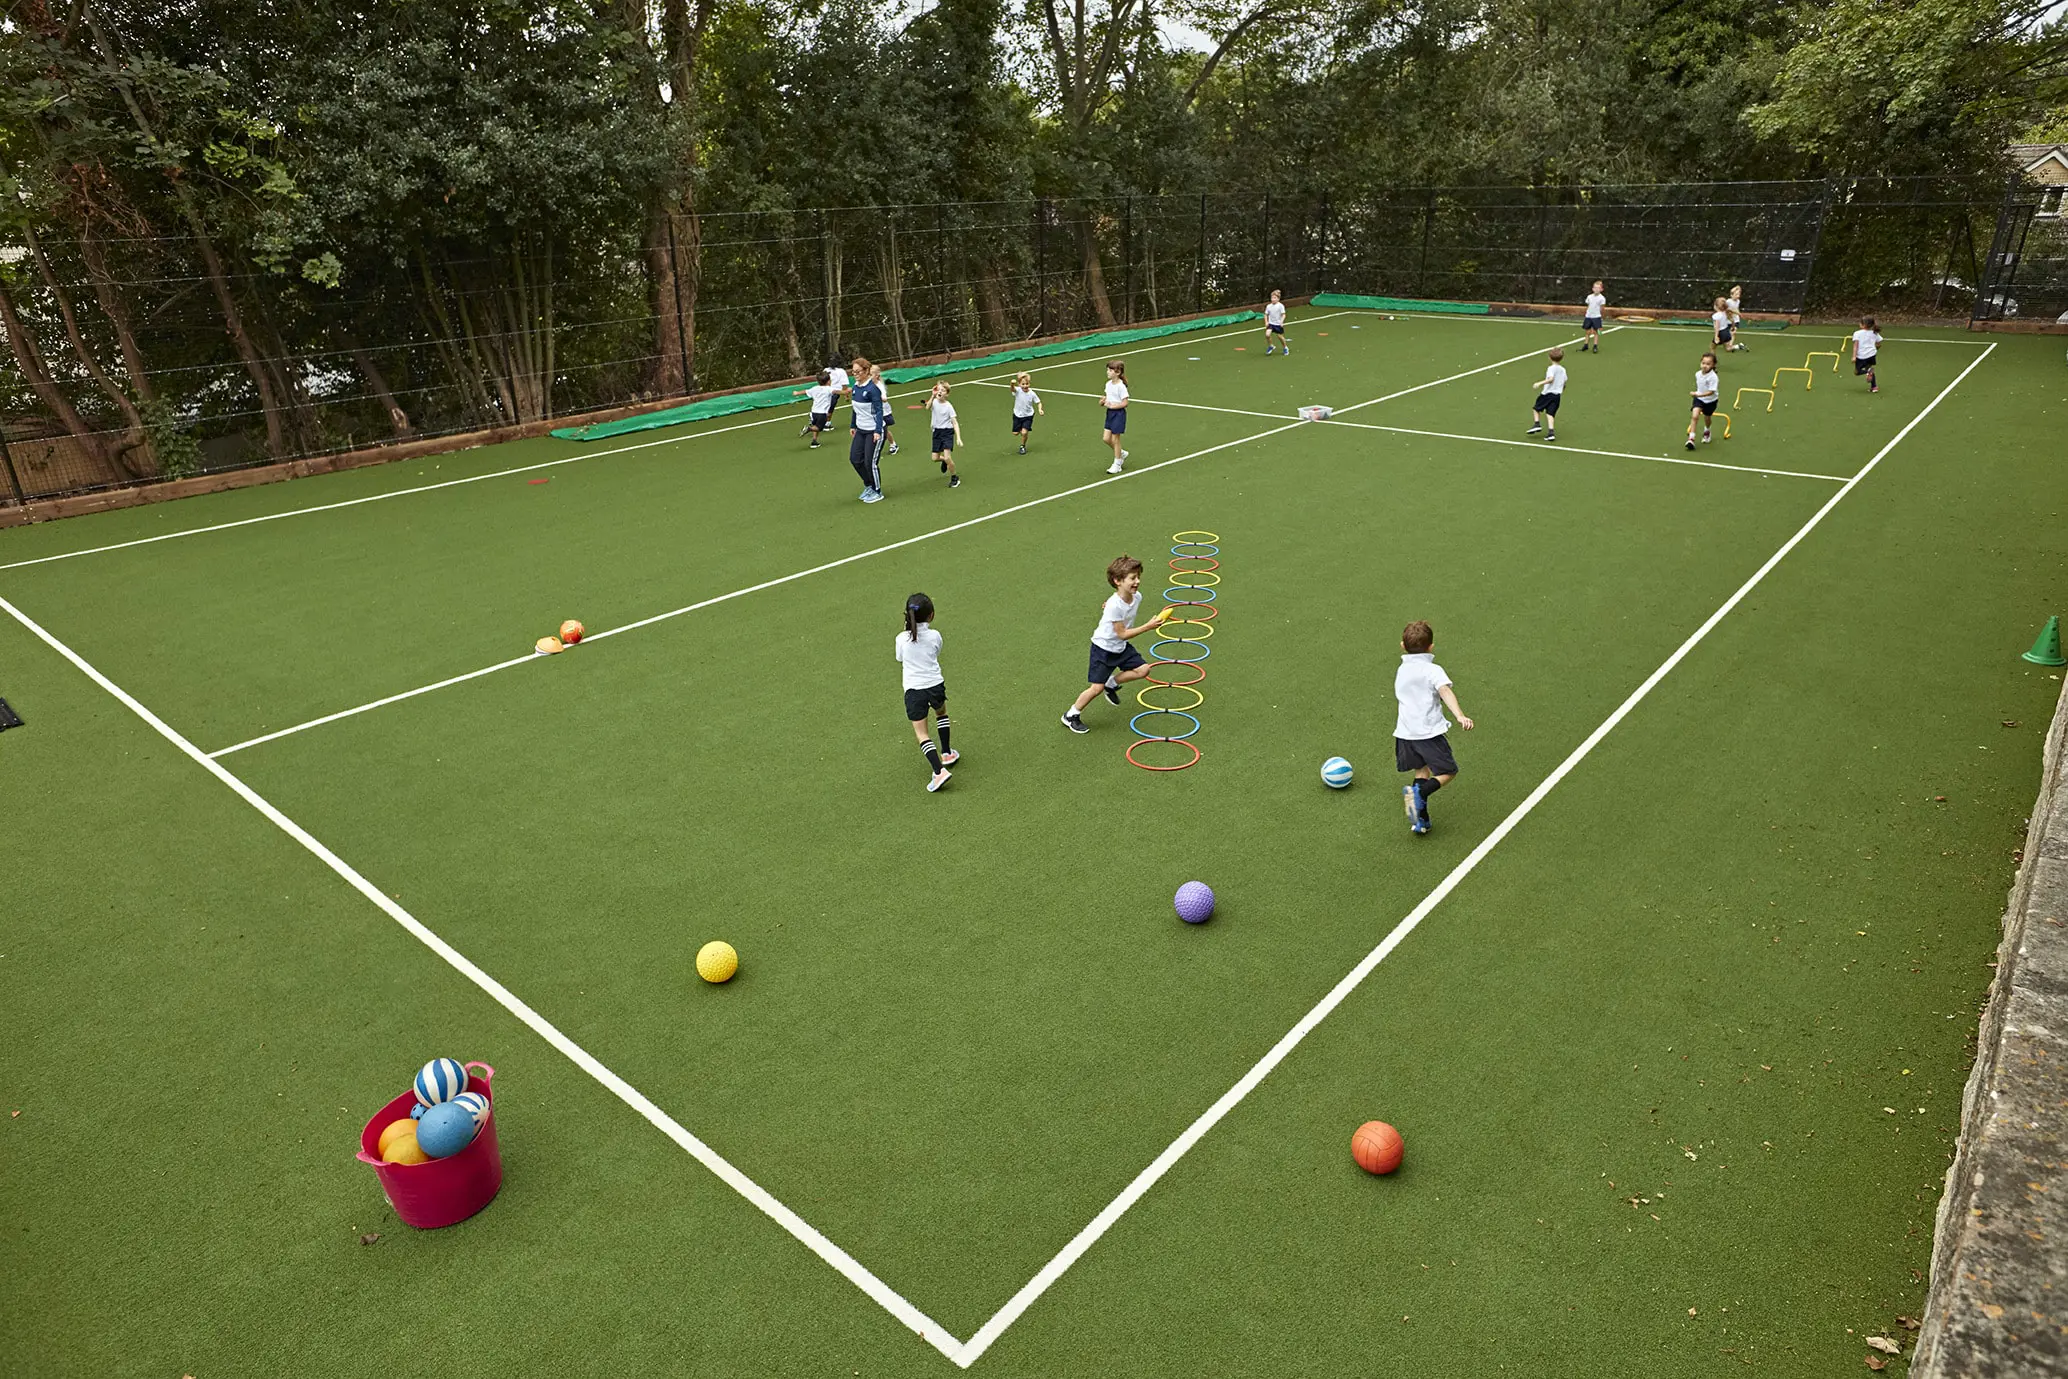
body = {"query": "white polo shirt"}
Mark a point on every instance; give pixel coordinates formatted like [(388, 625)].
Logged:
[(1023, 400), (1705, 385), (1866, 343), (1274, 314), (1116, 393), (1554, 379), (1595, 303), (943, 415), (921, 658), (837, 377), (1118, 610), (1421, 710)]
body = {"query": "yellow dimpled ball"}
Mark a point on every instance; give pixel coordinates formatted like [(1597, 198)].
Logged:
[(716, 962)]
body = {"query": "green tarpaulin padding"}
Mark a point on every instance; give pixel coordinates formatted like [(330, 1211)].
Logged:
[(788, 395), (1401, 304)]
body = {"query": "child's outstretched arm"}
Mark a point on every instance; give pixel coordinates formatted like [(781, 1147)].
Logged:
[(1128, 634), (1450, 701)]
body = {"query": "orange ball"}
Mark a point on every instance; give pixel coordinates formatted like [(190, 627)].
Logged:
[(1376, 1147), (571, 632), (394, 1130)]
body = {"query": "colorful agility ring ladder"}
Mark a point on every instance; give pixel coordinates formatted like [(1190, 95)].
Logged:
[(1194, 577)]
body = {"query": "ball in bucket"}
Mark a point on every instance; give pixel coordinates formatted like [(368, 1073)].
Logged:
[(394, 1130), (1335, 773), (441, 1079), (1376, 1147), (571, 632), (716, 961), (401, 1147), (1195, 902), (446, 1129)]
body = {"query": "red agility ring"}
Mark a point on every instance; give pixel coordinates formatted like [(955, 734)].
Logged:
[(1176, 740), (1154, 678)]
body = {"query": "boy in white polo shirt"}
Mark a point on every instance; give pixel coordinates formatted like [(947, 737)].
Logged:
[(1550, 391), (1866, 349), (1274, 326), (1114, 658), (1597, 303), (1419, 744)]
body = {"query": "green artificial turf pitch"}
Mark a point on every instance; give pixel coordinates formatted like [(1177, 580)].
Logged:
[(1678, 1065)]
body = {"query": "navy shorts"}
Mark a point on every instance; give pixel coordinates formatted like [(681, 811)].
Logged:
[(821, 420), (918, 701), (1412, 754), (1116, 420), (1861, 366), (1105, 663), (1591, 323), (943, 439), (1706, 406), (1274, 330), (1025, 423), (1723, 337), (1547, 403)]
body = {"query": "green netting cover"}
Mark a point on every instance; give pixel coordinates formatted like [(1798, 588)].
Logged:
[(1401, 304), (788, 394)]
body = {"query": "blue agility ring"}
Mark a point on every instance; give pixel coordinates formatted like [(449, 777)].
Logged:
[(1207, 549), (1160, 737), (1155, 650), (1170, 595)]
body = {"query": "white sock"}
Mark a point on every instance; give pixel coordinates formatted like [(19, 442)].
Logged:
[(1112, 682)]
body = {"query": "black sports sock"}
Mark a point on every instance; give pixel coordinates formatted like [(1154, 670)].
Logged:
[(933, 756), (940, 731), (1428, 785)]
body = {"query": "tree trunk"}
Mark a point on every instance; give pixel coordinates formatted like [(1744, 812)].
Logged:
[(135, 440), (47, 392), (997, 324), (117, 311), (894, 291), (1094, 270), (669, 348), (398, 420)]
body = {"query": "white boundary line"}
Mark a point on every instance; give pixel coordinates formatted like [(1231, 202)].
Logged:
[(1193, 1133), (1548, 447), (930, 1330), (562, 460), (829, 565), (1623, 323)]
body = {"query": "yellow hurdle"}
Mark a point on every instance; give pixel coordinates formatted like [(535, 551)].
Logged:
[(1831, 355), (1726, 423), (1739, 400), (1809, 380)]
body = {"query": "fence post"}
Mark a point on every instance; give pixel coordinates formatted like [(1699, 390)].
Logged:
[(1264, 252), (825, 290), (940, 240), (681, 331), (14, 482), (2001, 270), (1317, 273), (1428, 221), (1199, 274), (1536, 258), (1816, 240), (1041, 264), (1127, 256)]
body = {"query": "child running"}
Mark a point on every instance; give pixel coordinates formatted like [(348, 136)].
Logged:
[(1733, 304), (1550, 389), (919, 652), (1720, 329), (1866, 349), (837, 377), (1419, 744), (1116, 412), (1704, 395), (947, 433), (823, 395), (890, 419), (1597, 303), (1025, 404), (865, 432), (1114, 658), (1274, 326)]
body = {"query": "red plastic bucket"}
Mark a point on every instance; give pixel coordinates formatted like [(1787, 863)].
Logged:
[(440, 1191)]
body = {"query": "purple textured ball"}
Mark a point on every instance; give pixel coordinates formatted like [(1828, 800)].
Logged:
[(1195, 902)]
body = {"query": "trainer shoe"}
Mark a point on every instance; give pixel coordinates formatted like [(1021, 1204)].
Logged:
[(814, 443), (1407, 802), (950, 758), (891, 449), (874, 495), (1112, 694), (1705, 438), (1023, 450), (940, 778), (1113, 468), (1074, 723), (1690, 442), (1532, 430), (943, 464), (1551, 435), (954, 481)]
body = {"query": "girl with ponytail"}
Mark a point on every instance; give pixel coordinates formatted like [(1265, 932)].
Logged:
[(919, 654)]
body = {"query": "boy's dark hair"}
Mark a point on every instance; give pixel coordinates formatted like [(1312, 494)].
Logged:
[(1556, 355), (1868, 321), (1709, 356), (1417, 637), (825, 377), (1121, 568), (918, 609)]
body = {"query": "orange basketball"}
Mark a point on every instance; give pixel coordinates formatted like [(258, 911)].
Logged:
[(571, 632), (1376, 1147)]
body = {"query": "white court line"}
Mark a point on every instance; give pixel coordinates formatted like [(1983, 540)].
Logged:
[(1549, 447), (563, 460), (1799, 333), (821, 569), (930, 1330), (1229, 1100)]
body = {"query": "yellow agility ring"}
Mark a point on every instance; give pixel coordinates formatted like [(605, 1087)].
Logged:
[(1194, 581), (1142, 696), (1185, 538)]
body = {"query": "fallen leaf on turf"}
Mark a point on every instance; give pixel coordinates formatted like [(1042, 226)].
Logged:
[(2010, 722), (1876, 1362), (1691, 1311), (369, 1237), (1885, 1345), (1890, 1109), (1991, 1311), (1940, 798), (1908, 1323)]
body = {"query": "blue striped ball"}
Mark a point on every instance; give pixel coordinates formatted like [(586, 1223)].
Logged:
[(475, 1105), (442, 1079), (1335, 773)]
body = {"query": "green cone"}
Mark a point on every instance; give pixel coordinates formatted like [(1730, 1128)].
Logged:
[(2046, 651)]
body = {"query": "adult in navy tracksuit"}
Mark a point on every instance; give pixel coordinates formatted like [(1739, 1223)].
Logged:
[(865, 433)]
